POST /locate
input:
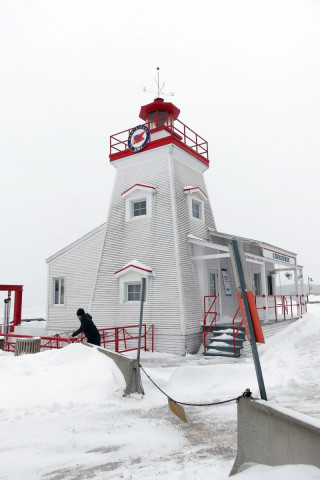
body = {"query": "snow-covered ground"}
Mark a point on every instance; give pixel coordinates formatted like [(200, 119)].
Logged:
[(63, 416)]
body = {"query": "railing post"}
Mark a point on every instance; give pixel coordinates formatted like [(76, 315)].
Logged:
[(17, 308), (204, 324), (145, 337), (275, 307), (152, 336), (116, 339), (233, 326), (143, 289)]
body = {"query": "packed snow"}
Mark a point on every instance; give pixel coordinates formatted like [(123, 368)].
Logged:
[(283, 472), (63, 414)]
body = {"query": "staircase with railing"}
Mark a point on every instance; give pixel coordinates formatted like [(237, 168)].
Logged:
[(227, 340)]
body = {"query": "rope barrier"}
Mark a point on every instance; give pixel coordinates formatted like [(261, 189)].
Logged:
[(247, 393)]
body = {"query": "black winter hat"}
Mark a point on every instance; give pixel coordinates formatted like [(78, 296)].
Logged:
[(80, 312)]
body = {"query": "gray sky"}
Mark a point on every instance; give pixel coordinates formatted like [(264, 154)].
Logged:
[(246, 77)]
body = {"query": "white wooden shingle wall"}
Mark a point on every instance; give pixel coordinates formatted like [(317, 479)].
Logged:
[(174, 301), (149, 240), (192, 298), (78, 265)]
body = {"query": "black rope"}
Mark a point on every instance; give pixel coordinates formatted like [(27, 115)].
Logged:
[(246, 393)]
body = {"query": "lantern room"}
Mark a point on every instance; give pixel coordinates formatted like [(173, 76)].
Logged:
[(161, 127), (159, 114)]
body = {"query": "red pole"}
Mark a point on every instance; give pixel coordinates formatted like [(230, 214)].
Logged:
[(116, 339), (152, 336), (204, 324), (17, 308)]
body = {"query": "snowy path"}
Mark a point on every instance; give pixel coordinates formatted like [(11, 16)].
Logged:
[(63, 415)]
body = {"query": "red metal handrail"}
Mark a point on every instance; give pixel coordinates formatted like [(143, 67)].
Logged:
[(235, 333), (284, 303), (175, 128), (108, 335), (206, 314)]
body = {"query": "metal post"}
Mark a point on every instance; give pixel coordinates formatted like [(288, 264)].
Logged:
[(17, 308), (309, 287), (243, 288), (143, 289), (116, 339)]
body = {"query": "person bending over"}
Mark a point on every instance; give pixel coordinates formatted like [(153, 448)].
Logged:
[(87, 327)]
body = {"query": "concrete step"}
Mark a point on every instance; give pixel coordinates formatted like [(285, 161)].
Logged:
[(219, 354), (228, 341), (224, 348), (221, 344), (229, 330)]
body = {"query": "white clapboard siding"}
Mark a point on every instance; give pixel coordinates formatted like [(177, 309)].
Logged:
[(149, 240), (193, 301), (174, 303), (78, 264)]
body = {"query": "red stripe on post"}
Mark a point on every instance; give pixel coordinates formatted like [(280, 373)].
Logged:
[(258, 333)]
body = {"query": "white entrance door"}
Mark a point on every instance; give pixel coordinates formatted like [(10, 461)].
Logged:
[(213, 290)]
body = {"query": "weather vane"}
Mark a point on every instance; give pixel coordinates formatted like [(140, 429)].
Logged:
[(159, 87)]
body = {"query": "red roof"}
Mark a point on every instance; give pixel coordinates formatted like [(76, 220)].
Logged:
[(159, 104)]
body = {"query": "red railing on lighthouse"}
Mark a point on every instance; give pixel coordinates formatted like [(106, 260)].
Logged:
[(174, 131)]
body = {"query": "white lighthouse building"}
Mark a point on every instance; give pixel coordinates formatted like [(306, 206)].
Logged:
[(160, 226)]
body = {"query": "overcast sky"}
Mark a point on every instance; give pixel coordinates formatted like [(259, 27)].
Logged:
[(246, 76)]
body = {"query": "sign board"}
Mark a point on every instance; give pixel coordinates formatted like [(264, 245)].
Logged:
[(279, 257), (177, 410), (254, 259), (138, 138), (226, 282)]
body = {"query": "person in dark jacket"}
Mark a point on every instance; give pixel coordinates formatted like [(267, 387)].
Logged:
[(87, 327)]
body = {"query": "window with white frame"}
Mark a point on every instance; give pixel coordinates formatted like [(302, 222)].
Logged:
[(133, 292), (130, 281), (58, 291), (139, 200), (139, 207), (196, 199), (196, 209), (257, 283)]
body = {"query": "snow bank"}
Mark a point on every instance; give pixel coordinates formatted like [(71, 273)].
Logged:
[(72, 375), (285, 356), (286, 361), (285, 472), (206, 383)]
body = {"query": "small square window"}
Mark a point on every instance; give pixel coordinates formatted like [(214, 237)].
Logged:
[(139, 208), (196, 209), (257, 283), (58, 291), (133, 292)]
